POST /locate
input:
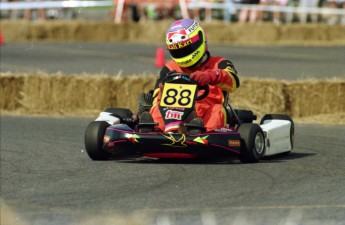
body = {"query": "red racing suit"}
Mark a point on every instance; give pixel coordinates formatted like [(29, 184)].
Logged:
[(209, 109)]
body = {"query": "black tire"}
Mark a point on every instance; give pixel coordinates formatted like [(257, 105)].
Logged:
[(252, 143), (121, 112), (94, 140), (246, 116), (282, 117)]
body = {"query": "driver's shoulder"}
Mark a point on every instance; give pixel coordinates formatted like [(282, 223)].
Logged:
[(215, 61)]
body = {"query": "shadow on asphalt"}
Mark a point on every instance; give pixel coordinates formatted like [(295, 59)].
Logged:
[(221, 161), (286, 156)]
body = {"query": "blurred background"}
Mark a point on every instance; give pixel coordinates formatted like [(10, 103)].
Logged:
[(240, 11)]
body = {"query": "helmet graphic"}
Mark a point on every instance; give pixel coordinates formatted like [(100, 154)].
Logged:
[(186, 42)]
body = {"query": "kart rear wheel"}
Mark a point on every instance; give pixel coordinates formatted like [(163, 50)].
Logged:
[(252, 143), (282, 117), (94, 140)]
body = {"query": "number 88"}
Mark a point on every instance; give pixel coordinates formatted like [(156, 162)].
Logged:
[(182, 97)]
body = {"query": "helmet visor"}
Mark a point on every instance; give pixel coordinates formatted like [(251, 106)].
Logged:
[(183, 49)]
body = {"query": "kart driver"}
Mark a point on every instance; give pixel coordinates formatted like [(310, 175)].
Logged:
[(187, 44)]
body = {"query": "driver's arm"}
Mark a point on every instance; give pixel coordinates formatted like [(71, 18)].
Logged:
[(229, 80), (224, 76)]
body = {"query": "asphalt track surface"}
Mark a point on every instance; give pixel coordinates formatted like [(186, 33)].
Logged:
[(47, 177), (283, 62)]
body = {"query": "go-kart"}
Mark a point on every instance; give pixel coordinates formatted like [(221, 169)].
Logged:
[(118, 133)]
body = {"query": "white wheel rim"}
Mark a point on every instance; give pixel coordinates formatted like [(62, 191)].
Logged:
[(259, 143)]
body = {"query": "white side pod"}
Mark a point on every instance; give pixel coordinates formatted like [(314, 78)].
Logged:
[(108, 117), (278, 134)]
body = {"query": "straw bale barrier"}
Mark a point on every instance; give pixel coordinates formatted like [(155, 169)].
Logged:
[(87, 95), (154, 31), (314, 97)]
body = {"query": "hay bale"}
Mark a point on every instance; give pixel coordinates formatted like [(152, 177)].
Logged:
[(154, 32), (15, 31), (93, 31), (261, 96), (264, 33), (148, 32), (312, 34), (88, 94), (299, 33), (129, 88), (11, 88), (337, 34), (61, 94), (220, 33), (315, 97), (59, 31)]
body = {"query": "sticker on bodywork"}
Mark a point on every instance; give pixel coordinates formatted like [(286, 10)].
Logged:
[(202, 140), (234, 143), (132, 137)]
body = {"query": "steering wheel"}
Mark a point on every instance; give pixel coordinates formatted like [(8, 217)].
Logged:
[(206, 89)]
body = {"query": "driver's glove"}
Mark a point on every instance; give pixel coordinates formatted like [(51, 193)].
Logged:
[(205, 77)]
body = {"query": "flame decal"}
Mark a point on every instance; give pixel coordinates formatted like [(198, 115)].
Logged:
[(180, 143)]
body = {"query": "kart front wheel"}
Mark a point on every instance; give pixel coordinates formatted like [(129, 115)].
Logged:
[(252, 143), (94, 140)]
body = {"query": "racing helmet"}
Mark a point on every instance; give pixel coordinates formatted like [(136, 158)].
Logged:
[(186, 42)]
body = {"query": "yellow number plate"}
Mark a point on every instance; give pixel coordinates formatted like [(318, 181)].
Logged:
[(178, 95)]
